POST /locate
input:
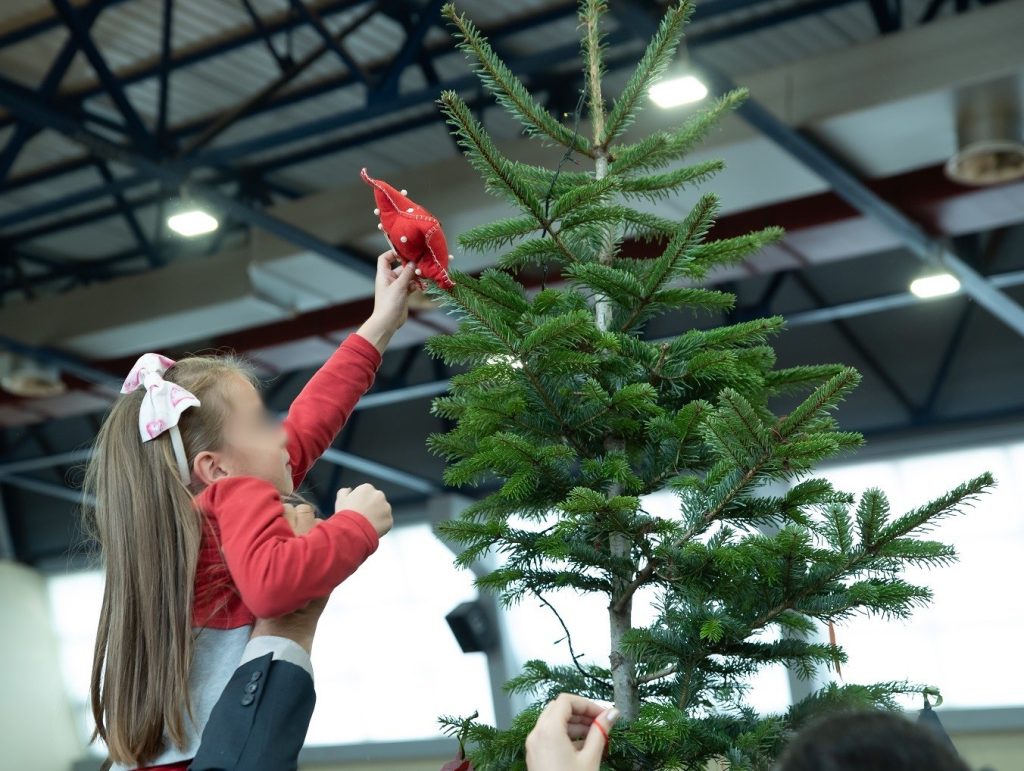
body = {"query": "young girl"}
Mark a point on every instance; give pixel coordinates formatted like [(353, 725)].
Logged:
[(188, 475)]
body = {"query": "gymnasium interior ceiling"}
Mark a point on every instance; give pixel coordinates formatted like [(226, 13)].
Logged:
[(113, 112)]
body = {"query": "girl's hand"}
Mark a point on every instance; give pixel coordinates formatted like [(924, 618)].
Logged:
[(368, 501), (392, 288), (569, 735)]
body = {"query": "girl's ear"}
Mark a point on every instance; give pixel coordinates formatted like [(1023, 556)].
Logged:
[(207, 468)]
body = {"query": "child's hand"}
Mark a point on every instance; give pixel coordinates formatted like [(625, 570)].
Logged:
[(392, 288), (368, 501)]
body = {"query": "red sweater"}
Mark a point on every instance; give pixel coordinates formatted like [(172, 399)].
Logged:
[(269, 570)]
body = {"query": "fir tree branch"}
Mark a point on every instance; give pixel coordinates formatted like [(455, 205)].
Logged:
[(823, 398), (568, 640), (507, 88), (528, 373), (489, 161), (642, 577), (689, 234), (652, 64), (860, 558), (671, 669)]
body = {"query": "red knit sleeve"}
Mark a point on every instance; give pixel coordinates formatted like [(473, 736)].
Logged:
[(274, 570), (322, 408)]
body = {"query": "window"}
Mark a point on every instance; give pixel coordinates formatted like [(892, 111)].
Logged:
[(966, 640), (386, 663), (961, 643), (537, 634), (74, 611)]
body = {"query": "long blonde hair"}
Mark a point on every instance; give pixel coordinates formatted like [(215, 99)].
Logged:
[(149, 531)]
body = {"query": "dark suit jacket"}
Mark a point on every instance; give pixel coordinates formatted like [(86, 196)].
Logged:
[(261, 719)]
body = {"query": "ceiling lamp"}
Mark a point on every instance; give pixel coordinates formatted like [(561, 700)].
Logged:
[(27, 378), (192, 222), (678, 91), (988, 127), (935, 285)]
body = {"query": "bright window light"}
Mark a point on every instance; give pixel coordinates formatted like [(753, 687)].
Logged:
[(194, 222), (678, 91), (938, 645), (935, 286)]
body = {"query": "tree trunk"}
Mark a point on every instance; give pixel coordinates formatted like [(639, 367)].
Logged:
[(620, 621)]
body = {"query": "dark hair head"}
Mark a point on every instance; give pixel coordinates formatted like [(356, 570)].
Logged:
[(867, 741)]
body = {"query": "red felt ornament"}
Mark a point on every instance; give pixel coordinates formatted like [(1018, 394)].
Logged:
[(414, 233)]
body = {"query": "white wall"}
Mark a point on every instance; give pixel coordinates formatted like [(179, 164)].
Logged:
[(37, 731)]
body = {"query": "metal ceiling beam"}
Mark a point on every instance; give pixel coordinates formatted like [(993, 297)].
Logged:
[(292, 97), (859, 347), (79, 28), (312, 18), (47, 488), (282, 62), (164, 74), (128, 213), (415, 35), (48, 88), (703, 11), (48, 461), (382, 471), (227, 154), (294, 69), (9, 472), (861, 197), (47, 24), (27, 106), (284, 22), (888, 15)]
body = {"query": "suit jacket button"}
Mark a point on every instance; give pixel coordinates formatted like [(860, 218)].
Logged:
[(251, 687), (255, 676), (248, 699)]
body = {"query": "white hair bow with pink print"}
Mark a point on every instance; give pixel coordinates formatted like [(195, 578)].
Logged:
[(162, 404)]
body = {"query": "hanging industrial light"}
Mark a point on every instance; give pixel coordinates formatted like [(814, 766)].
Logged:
[(935, 284), (30, 379), (988, 128)]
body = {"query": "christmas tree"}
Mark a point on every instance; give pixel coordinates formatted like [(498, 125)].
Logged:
[(573, 415)]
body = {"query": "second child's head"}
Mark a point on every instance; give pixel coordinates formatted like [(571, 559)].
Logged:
[(868, 741)]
